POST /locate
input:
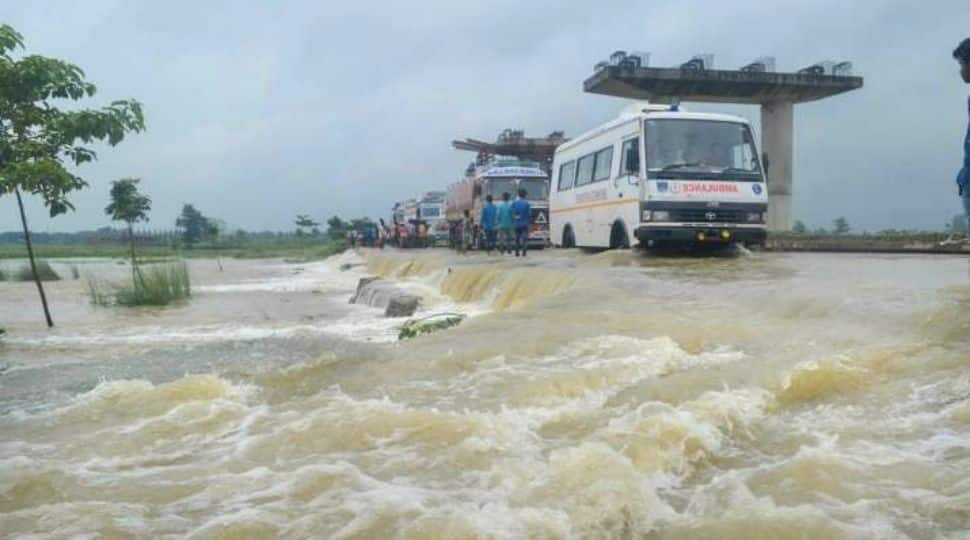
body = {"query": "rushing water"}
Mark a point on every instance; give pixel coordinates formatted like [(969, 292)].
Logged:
[(585, 396)]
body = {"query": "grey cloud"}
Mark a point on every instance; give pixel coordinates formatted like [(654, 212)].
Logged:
[(259, 111)]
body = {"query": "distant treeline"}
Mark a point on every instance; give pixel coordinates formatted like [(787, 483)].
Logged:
[(108, 235)]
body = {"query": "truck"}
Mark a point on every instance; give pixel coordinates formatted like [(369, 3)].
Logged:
[(431, 210), (404, 220), (659, 176), (495, 177)]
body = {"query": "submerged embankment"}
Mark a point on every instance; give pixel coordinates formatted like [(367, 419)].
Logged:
[(613, 395)]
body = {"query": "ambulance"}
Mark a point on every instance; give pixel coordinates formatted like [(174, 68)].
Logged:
[(659, 176)]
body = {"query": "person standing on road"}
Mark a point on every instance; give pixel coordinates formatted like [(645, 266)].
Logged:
[(467, 232), (505, 224), (520, 218), (489, 215), (962, 55)]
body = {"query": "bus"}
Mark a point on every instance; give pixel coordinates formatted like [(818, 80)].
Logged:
[(659, 176)]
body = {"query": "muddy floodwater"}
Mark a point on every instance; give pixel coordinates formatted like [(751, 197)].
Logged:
[(613, 395)]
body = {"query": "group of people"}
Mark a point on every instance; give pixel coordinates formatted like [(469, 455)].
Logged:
[(371, 236), (503, 226), (411, 235), (398, 234)]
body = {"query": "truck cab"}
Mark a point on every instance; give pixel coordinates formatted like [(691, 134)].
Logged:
[(431, 210), (511, 175), (498, 176)]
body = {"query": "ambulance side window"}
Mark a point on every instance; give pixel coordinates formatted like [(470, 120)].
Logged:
[(567, 174)]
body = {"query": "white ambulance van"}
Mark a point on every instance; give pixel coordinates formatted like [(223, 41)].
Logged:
[(659, 176)]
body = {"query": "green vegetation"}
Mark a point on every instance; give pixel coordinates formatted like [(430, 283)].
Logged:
[(154, 246), (157, 285), (841, 226), (100, 293), (39, 140), (305, 249), (888, 235), (337, 228), (427, 325), (130, 206), (44, 273), (195, 227), (841, 230), (304, 221)]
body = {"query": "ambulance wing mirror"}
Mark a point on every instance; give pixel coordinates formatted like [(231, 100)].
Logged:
[(632, 160)]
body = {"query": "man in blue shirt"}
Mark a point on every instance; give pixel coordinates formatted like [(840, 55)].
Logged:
[(962, 55), (520, 218), (489, 214), (505, 225)]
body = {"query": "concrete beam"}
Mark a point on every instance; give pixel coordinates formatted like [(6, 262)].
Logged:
[(777, 138), (716, 86)]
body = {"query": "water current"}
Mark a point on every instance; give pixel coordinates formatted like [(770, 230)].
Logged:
[(615, 395)]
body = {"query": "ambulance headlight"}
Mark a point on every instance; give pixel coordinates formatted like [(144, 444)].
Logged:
[(661, 215), (755, 217)]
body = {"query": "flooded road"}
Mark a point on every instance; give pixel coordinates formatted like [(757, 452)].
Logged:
[(585, 396)]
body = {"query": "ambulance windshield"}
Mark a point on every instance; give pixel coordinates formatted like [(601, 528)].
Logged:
[(678, 147)]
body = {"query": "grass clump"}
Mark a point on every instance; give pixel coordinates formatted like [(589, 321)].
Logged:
[(100, 293), (155, 285), (44, 272)]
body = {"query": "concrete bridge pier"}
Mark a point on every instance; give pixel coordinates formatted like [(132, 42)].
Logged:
[(777, 134)]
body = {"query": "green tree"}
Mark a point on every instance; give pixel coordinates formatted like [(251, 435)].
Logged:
[(799, 227), (304, 221), (195, 226), (130, 206), (361, 224), (336, 228), (38, 140), (841, 226)]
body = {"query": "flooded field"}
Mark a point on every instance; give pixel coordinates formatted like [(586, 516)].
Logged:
[(614, 395)]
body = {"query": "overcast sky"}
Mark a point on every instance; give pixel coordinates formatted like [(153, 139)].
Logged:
[(257, 111)]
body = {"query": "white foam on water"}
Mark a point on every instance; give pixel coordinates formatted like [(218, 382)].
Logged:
[(355, 326), (325, 275)]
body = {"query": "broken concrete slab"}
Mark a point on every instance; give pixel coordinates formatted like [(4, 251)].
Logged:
[(402, 306)]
